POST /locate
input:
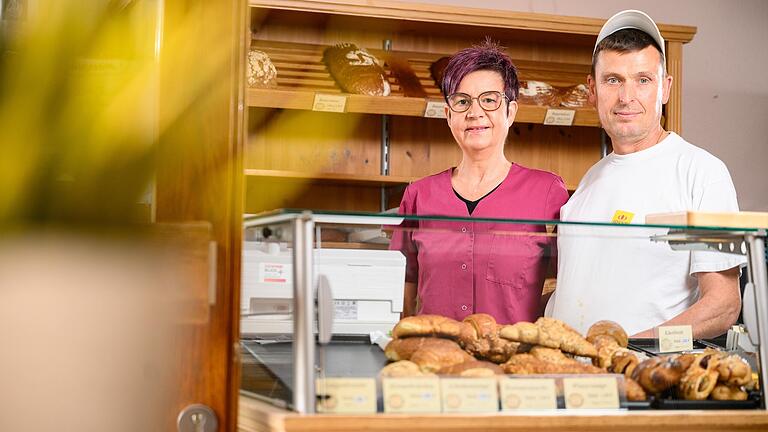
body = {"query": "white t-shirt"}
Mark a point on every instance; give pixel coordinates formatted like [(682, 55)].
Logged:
[(617, 273)]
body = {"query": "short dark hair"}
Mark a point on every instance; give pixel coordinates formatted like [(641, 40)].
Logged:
[(488, 55), (627, 40)]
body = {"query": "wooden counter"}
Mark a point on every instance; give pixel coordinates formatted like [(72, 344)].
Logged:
[(258, 416)]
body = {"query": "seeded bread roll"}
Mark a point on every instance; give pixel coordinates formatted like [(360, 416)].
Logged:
[(356, 70), (261, 72)]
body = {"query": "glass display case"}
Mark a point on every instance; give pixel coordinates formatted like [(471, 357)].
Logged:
[(322, 292)]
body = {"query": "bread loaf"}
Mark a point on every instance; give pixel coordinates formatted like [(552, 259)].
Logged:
[(356, 70), (402, 369), (473, 368), (427, 325), (433, 359), (406, 78), (538, 93), (574, 97), (261, 72), (437, 71)]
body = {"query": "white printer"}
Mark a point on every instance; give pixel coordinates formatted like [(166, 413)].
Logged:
[(366, 285)]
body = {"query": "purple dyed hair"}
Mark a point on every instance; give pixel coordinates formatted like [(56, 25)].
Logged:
[(488, 55)]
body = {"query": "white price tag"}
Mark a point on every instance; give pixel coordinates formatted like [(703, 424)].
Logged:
[(329, 103), (435, 109), (559, 117)]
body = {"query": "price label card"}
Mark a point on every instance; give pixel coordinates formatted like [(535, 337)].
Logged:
[(559, 117), (675, 338), (411, 395), (469, 395), (527, 393), (329, 103), (435, 109), (595, 392), (346, 395)]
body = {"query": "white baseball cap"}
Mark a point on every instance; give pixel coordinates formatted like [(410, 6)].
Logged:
[(631, 19)]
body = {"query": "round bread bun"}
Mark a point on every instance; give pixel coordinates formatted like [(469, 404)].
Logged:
[(608, 328)]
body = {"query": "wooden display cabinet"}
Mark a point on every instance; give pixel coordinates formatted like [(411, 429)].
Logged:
[(296, 157)]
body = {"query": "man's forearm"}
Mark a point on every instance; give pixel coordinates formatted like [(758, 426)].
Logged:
[(716, 310)]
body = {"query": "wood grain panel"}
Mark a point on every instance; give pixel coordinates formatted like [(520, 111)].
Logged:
[(420, 148), (674, 108), (296, 140)]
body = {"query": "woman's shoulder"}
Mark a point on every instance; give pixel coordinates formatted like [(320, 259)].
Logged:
[(430, 180), (536, 175)]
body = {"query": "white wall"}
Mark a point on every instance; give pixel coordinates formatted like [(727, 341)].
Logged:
[(725, 75)]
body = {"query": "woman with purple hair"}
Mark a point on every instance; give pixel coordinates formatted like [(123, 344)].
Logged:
[(457, 268)]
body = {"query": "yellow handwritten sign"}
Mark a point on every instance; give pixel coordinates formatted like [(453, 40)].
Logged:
[(346, 395), (469, 395), (411, 395), (527, 393), (593, 392)]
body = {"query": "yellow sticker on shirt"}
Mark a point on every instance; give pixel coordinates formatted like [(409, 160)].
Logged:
[(622, 217)]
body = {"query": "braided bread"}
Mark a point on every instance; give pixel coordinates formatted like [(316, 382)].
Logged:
[(480, 337), (658, 374), (550, 333)]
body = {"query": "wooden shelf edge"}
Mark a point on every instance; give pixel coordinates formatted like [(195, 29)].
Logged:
[(395, 105), (364, 180), (463, 16)]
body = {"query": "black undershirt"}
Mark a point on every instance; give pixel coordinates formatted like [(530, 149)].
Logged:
[(472, 204)]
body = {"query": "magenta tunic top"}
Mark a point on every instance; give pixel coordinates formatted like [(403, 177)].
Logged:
[(463, 268)]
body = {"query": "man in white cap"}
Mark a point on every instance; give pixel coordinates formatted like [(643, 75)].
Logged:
[(617, 273)]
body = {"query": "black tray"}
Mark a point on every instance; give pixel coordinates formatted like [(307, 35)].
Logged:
[(752, 402)]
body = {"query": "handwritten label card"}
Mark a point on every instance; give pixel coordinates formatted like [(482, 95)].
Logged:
[(559, 117), (594, 392), (469, 395), (675, 338), (329, 103), (527, 393), (411, 395), (346, 395), (435, 109)]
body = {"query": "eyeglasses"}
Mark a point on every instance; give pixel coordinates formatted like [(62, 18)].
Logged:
[(489, 101)]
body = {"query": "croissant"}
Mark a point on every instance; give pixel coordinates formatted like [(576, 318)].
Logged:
[(606, 346), (551, 333), (432, 360), (480, 337), (725, 392), (550, 355), (427, 325)]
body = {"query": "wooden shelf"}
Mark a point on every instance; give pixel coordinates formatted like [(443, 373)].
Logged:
[(302, 74), (361, 180)]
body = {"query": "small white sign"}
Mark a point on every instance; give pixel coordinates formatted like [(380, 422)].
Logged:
[(275, 273), (675, 338), (435, 109), (559, 117), (329, 103)]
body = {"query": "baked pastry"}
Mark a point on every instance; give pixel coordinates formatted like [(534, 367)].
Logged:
[(261, 72), (725, 392), (549, 332), (473, 368), (734, 371), (437, 71), (434, 359), (574, 97), (529, 364), (633, 390), (427, 325), (480, 337), (658, 374), (608, 328), (406, 78), (700, 379), (623, 362), (551, 355), (538, 93), (404, 349), (401, 369), (356, 70)]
